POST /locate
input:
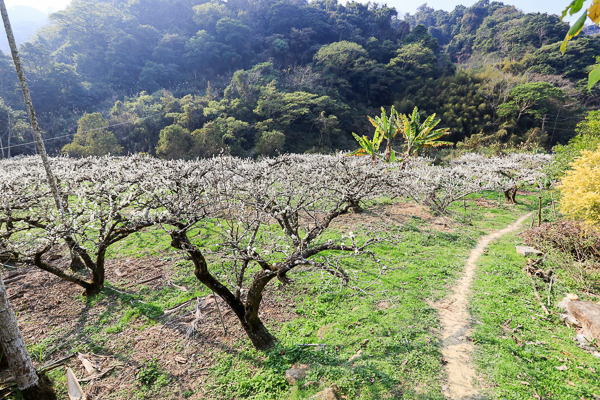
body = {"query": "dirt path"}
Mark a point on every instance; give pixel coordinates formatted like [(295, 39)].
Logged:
[(457, 349)]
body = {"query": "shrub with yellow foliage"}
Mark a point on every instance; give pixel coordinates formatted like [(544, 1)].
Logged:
[(580, 189)]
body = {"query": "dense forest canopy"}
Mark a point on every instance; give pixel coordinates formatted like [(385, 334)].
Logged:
[(188, 78)]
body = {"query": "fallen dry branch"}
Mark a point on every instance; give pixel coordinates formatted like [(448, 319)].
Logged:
[(178, 307), (100, 375), (149, 279), (55, 364), (538, 298)]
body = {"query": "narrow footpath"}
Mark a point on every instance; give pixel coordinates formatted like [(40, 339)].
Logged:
[(456, 322)]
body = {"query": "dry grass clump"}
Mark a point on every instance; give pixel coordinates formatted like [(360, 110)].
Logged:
[(567, 236)]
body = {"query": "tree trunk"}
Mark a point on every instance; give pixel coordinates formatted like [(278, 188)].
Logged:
[(13, 345), (9, 133), (388, 152), (42, 391), (91, 288), (247, 313), (259, 335), (98, 275), (96, 283), (31, 111), (355, 206), (510, 195)]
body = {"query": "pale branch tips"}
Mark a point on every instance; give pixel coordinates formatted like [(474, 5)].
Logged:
[(100, 197), (438, 186), (507, 173), (242, 222), (270, 217)]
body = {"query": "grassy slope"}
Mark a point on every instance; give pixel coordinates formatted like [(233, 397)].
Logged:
[(504, 292), (401, 359)]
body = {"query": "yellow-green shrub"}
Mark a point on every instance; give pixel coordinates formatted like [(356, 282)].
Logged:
[(580, 189)]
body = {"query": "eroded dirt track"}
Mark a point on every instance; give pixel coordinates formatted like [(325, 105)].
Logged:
[(456, 321)]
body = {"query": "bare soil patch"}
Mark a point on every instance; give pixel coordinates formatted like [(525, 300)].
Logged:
[(52, 310), (456, 344), (399, 213)]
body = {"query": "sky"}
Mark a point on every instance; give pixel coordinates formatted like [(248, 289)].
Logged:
[(548, 6), (42, 5), (403, 6)]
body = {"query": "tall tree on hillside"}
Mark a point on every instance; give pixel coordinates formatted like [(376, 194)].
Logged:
[(13, 346), (93, 138), (529, 98)]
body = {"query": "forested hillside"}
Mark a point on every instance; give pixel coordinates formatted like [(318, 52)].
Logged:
[(188, 78)]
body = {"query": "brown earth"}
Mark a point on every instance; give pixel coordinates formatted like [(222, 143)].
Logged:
[(49, 308), (186, 342), (457, 348)]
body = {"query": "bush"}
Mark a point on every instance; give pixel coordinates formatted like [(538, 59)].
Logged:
[(588, 138), (580, 189), (567, 236)]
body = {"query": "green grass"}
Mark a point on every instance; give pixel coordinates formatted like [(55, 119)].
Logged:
[(402, 357), (401, 360), (505, 293)]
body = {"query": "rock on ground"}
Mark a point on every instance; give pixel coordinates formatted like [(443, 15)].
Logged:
[(327, 394), (296, 374), (528, 251), (588, 315)]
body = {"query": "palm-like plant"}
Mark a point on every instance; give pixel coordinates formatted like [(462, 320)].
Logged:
[(368, 147), (388, 128), (419, 135)]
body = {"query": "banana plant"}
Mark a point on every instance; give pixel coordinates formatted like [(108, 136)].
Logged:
[(388, 128), (368, 147), (419, 135)]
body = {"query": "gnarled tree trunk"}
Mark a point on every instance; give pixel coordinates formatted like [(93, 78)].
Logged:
[(354, 206), (13, 345), (247, 312), (16, 354), (12, 341), (258, 334), (510, 195)]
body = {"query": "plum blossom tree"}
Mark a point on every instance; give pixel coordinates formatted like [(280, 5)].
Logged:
[(510, 171), (102, 199), (260, 220), (438, 186), (268, 218)]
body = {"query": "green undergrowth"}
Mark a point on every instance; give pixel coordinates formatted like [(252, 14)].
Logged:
[(521, 352), (392, 323), (400, 354)]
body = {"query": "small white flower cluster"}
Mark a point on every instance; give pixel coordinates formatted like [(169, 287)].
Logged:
[(239, 201), (438, 186)]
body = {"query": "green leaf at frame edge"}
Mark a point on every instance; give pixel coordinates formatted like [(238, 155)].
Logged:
[(572, 8), (593, 77), (565, 11), (574, 31), (576, 6)]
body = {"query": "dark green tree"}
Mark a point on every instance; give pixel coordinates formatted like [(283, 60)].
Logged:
[(93, 138)]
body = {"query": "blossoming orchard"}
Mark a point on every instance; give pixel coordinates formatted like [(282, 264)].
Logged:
[(265, 218)]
